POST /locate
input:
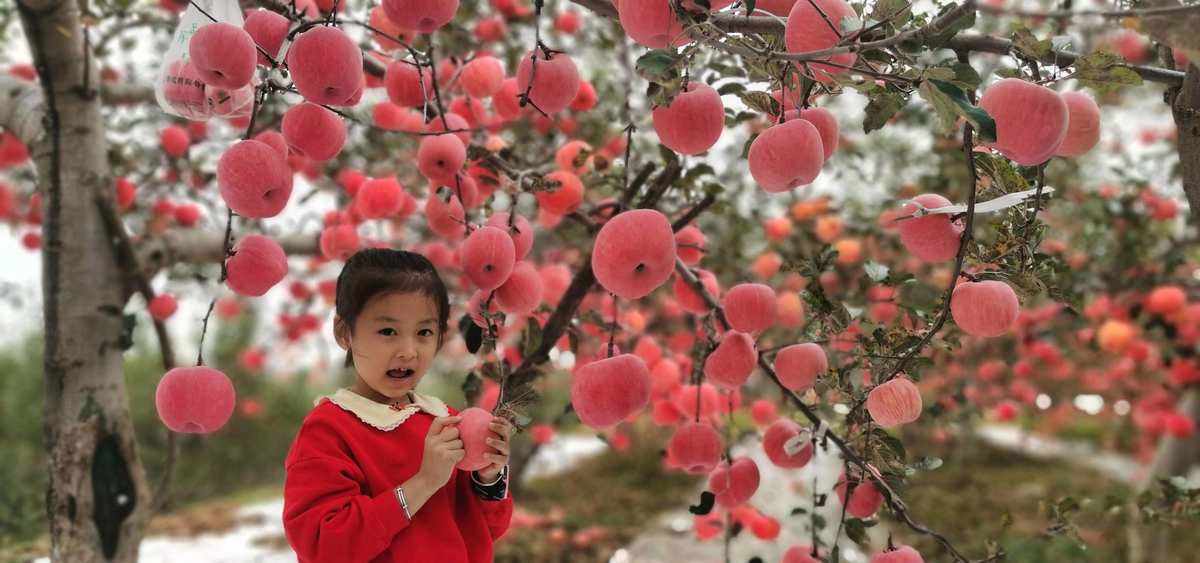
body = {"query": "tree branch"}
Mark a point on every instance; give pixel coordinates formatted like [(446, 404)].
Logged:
[(582, 283), (694, 212), (1106, 14), (924, 35), (893, 500), (188, 246), (127, 94), (21, 109), (987, 44)]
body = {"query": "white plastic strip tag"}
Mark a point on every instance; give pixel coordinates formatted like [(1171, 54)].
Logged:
[(822, 429), (797, 443), (990, 206)]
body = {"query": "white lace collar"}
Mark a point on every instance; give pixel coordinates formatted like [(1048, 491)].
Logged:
[(381, 416)]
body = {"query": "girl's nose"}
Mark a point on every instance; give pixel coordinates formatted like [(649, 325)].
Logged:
[(407, 350)]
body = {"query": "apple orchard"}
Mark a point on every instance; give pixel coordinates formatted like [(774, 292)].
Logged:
[(812, 225)]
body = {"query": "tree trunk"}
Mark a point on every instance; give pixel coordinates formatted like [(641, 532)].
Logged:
[(1186, 111), (97, 496), (1176, 455)]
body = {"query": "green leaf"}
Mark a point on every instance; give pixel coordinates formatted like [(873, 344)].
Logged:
[(882, 106), (731, 88), (927, 463), (942, 105), (1027, 44), (876, 271), (128, 324), (472, 385), (966, 76), (746, 146), (985, 126), (1104, 72), (750, 7), (891, 442), (759, 101), (961, 24), (668, 155), (850, 24), (1003, 173), (707, 498), (531, 339), (472, 333), (899, 12), (856, 531), (658, 65), (696, 172), (1008, 72), (919, 296), (939, 72)]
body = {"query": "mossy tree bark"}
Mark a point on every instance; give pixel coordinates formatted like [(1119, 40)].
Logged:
[(98, 496)]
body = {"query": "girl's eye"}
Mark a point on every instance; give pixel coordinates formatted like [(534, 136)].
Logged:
[(387, 332), (425, 332)]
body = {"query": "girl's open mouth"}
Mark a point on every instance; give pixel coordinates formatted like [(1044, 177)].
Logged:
[(400, 373)]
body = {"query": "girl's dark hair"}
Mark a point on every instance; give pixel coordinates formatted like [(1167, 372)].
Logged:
[(377, 271)]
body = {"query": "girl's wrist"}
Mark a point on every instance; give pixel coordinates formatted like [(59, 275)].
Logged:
[(490, 479), (417, 490), (425, 482)]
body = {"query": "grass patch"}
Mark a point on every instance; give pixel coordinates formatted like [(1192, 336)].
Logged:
[(599, 506), (982, 493)]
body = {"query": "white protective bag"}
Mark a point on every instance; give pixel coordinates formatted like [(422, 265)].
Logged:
[(178, 87)]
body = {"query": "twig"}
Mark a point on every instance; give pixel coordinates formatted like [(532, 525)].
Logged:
[(968, 144), (1106, 14), (694, 212), (260, 50)]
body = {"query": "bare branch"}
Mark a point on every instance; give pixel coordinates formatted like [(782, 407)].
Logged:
[(189, 246), (127, 94)]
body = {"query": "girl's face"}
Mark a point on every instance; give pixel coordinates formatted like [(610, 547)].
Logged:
[(393, 343)]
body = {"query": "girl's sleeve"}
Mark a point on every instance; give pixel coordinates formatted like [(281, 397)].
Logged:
[(327, 518), (497, 514)]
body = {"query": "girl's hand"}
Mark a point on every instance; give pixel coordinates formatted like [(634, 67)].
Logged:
[(443, 449), (500, 428)]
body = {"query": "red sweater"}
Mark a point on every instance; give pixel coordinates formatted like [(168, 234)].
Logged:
[(339, 504)]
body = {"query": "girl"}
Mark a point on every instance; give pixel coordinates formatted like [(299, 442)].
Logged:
[(371, 476)]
